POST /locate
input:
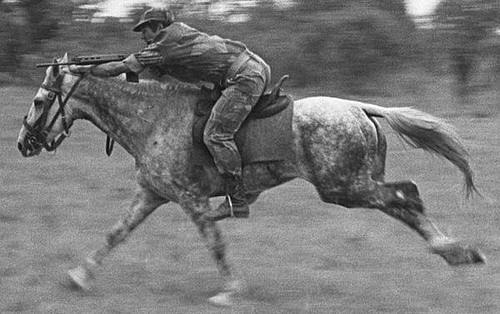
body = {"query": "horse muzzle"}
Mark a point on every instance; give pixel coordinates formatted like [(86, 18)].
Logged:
[(29, 146)]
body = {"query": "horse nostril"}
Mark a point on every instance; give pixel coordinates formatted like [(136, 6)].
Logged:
[(22, 149)]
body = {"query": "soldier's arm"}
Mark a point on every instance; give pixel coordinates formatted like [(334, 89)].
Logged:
[(148, 56), (110, 69), (133, 63), (129, 64)]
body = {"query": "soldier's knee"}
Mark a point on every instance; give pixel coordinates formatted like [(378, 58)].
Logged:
[(219, 139), (212, 136)]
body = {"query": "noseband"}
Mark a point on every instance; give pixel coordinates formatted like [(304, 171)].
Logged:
[(37, 133)]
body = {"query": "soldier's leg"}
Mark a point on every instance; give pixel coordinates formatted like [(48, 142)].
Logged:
[(226, 118)]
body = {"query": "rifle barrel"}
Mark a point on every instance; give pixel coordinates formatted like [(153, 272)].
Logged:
[(87, 60), (44, 65)]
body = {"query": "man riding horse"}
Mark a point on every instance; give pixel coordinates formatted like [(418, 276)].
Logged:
[(185, 53)]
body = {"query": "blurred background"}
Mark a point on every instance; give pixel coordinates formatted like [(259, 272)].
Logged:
[(299, 255), (351, 47)]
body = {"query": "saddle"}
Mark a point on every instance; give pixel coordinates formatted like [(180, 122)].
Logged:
[(266, 134)]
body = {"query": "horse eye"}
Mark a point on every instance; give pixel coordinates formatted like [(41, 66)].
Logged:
[(38, 103)]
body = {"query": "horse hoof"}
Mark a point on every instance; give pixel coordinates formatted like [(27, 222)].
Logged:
[(457, 254), (80, 277), (222, 299), (226, 297)]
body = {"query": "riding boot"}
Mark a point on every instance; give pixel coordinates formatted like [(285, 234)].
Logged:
[(235, 204)]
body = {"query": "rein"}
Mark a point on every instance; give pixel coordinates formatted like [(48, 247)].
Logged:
[(38, 132)]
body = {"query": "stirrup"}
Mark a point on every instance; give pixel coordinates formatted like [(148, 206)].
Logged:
[(230, 202)]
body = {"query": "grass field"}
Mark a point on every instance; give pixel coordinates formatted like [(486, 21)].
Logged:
[(296, 254)]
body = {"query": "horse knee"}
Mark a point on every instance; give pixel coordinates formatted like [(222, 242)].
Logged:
[(407, 188), (117, 235)]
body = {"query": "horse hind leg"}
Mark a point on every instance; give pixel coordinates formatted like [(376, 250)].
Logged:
[(401, 200)]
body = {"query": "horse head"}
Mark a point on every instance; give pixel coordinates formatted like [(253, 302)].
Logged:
[(46, 125)]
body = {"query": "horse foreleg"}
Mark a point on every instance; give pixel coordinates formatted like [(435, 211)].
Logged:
[(209, 231), (401, 200), (143, 204)]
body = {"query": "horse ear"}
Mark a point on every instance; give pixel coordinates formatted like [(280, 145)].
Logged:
[(65, 58)]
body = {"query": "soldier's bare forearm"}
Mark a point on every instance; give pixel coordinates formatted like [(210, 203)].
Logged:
[(110, 69)]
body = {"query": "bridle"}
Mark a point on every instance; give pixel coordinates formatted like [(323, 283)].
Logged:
[(38, 132)]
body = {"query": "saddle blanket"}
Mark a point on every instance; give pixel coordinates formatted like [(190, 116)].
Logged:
[(258, 140)]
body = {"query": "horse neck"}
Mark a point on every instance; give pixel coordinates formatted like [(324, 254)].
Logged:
[(129, 112)]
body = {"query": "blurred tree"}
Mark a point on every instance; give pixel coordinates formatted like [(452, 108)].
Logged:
[(464, 24), (41, 20), (11, 22), (353, 40), (397, 8), (25, 24)]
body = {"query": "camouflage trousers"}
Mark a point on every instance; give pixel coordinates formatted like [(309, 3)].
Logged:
[(241, 93)]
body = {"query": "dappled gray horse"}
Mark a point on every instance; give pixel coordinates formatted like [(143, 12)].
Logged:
[(339, 147)]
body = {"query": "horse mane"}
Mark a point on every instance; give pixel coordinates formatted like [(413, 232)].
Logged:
[(148, 88)]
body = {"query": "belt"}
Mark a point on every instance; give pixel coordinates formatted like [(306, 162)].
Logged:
[(238, 63)]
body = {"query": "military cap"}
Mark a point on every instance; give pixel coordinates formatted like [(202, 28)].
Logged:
[(155, 14)]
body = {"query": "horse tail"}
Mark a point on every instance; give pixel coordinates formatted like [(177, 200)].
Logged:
[(422, 130)]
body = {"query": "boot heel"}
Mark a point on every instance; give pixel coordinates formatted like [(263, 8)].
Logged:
[(241, 214)]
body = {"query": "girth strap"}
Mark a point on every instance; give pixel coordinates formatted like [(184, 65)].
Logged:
[(110, 143)]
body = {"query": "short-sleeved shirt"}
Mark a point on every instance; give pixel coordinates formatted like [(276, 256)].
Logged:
[(188, 54)]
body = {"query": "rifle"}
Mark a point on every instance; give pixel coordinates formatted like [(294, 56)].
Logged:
[(94, 60)]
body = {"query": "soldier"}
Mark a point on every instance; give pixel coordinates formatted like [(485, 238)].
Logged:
[(187, 54)]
